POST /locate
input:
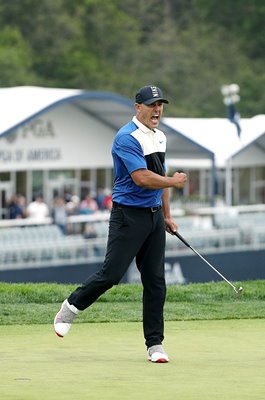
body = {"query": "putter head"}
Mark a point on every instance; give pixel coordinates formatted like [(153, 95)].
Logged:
[(239, 290)]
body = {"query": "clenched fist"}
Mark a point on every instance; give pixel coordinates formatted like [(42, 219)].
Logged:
[(179, 179)]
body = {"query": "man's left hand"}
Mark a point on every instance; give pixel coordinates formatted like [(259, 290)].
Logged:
[(170, 226)]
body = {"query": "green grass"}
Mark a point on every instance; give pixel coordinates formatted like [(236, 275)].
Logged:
[(215, 340), (37, 303), (208, 360)]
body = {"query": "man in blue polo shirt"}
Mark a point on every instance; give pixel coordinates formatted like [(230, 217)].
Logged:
[(139, 217)]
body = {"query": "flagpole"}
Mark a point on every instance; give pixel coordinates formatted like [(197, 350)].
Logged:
[(228, 183), (231, 97)]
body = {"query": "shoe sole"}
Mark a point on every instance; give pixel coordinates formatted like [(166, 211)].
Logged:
[(58, 334), (160, 361)]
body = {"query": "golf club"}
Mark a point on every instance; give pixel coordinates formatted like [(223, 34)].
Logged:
[(239, 290)]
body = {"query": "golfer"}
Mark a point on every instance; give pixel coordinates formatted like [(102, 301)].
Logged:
[(139, 218)]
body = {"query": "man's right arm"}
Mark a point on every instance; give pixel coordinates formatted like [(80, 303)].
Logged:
[(151, 180)]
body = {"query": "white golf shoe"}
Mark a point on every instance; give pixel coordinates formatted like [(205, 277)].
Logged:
[(64, 318), (157, 354)]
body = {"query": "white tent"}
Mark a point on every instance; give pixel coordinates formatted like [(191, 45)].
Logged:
[(219, 135), (20, 105), (55, 129)]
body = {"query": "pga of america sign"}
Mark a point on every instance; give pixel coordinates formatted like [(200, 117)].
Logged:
[(55, 141), (23, 145)]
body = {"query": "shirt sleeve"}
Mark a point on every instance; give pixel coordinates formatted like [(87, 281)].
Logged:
[(129, 150)]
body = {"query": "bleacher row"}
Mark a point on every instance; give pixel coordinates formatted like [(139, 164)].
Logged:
[(46, 245), (221, 232), (35, 246)]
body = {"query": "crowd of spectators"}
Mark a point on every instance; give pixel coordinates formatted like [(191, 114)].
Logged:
[(60, 208)]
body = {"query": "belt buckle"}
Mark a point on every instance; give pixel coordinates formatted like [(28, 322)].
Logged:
[(154, 209)]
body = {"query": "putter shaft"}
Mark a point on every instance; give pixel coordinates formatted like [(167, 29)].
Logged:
[(207, 262), (210, 265)]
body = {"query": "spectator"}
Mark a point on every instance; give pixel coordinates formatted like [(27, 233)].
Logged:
[(67, 196), (107, 201), (100, 198), (73, 206), (37, 209), (88, 205), (22, 203), (59, 213), (16, 207)]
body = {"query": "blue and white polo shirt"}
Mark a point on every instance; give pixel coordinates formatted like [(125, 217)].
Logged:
[(137, 147)]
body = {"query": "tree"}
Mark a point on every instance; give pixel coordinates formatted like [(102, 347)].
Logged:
[(188, 47), (15, 59)]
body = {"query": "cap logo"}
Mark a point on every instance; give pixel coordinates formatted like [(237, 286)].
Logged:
[(149, 94), (154, 91)]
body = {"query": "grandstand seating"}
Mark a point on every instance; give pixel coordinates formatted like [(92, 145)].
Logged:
[(31, 246), (22, 247)]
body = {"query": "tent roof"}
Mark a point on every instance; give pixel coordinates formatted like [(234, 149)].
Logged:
[(219, 135), (20, 105), (253, 154)]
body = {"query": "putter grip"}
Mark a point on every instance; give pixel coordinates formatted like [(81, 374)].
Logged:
[(182, 239)]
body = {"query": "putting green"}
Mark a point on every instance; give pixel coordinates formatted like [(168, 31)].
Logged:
[(209, 360)]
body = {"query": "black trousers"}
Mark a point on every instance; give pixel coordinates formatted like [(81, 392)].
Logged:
[(140, 233)]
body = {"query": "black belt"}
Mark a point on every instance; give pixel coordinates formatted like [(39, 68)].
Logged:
[(152, 209)]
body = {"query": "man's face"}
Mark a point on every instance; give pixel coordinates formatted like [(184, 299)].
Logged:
[(149, 115)]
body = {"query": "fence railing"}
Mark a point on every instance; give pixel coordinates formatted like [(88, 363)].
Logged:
[(28, 243)]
